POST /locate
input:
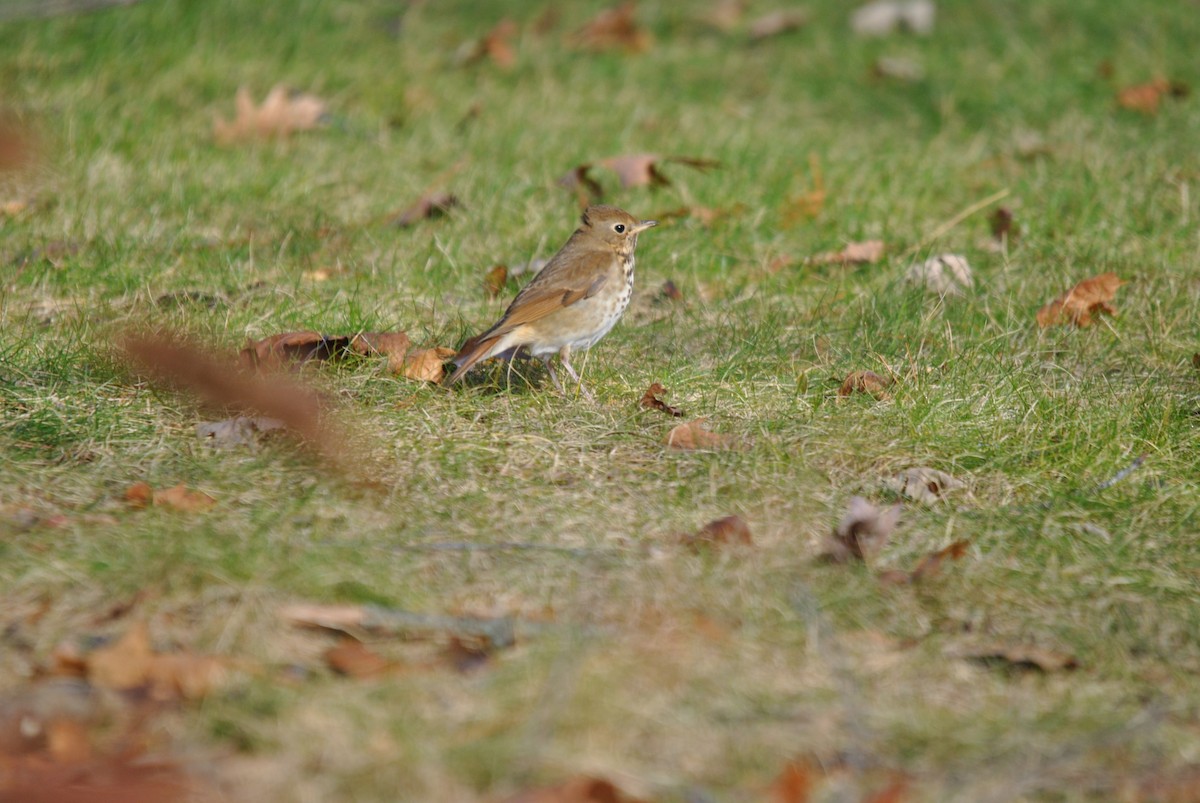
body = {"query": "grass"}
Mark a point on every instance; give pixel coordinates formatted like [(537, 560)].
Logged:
[(673, 674)]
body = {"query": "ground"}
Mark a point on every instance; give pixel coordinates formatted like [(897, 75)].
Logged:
[(677, 674)]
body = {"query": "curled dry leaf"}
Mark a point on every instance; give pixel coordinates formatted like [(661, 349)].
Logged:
[(131, 663), (352, 658), (725, 531), (1002, 223), (633, 170), (1146, 98), (614, 28), (298, 347), (496, 45), (1016, 656), (776, 23), (695, 435), (651, 401), (181, 498), (495, 280), (928, 567), (923, 484), (281, 114), (428, 206), (944, 274), (867, 252), (1078, 304), (670, 292), (863, 530), (865, 382), (426, 365), (583, 789)]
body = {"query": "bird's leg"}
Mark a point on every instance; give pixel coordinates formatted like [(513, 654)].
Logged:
[(553, 375), (564, 354)]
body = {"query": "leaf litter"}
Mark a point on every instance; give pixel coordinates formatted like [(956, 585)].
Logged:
[(725, 531), (1078, 305), (651, 400), (282, 113), (632, 170), (696, 435), (612, 29)]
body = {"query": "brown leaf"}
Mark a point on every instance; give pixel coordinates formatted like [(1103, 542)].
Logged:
[(670, 291), (863, 530), (865, 382), (183, 499), (389, 344), (583, 789), (929, 566), (425, 365), (354, 659), (895, 792), (694, 435), (281, 114), (1144, 98), (614, 28), (923, 484), (1018, 657), (292, 347), (428, 206), (867, 252), (131, 663), (17, 148), (776, 23), (496, 279), (794, 784), (651, 401), (633, 170), (725, 15), (729, 530), (186, 367), (496, 45), (1079, 303), (1002, 225), (139, 495)]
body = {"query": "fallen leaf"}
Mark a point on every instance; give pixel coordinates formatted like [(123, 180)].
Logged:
[(495, 281), (1146, 98), (183, 499), (895, 792), (1002, 225), (354, 659), (651, 401), (428, 206), (896, 68), (794, 784), (298, 347), (614, 28), (867, 252), (281, 114), (1017, 657), (726, 531), (863, 530), (130, 663), (577, 790), (670, 291), (141, 495), (865, 382), (776, 23), (694, 435), (388, 344), (496, 45), (944, 274), (929, 566), (496, 632), (633, 170), (425, 365), (882, 17), (241, 430), (923, 484), (1079, 303), (13, 208)]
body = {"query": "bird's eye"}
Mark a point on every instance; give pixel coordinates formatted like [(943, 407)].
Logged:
[(619, 228)]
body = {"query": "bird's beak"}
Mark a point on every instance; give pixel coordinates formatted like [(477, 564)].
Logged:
[(645, 224)]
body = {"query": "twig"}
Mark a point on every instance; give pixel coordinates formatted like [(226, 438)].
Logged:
[(954, 221), (1122, 474)]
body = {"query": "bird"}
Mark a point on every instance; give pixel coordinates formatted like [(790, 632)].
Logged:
[(572, 302)]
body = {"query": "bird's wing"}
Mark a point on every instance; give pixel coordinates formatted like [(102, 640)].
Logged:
[(541, 296)]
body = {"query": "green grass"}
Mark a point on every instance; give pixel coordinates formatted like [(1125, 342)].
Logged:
[(666, 671)]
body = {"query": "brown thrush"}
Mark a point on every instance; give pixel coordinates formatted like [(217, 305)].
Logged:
[(572, 302)]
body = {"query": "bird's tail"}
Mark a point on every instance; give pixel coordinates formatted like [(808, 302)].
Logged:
[(474, 350)]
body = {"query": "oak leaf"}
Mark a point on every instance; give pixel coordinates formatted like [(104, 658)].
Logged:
[(1146, 98), (426, 365), (651, 401), (695, 435), (1078, 304), (613, 28), (428, 206), (929, 566), (633, 170), (282, 113), (861, 253)]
